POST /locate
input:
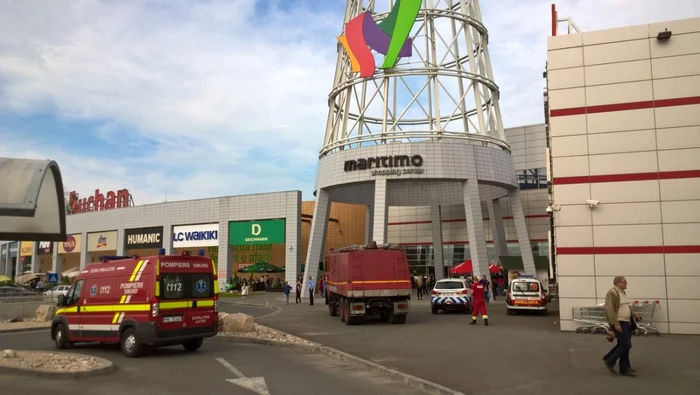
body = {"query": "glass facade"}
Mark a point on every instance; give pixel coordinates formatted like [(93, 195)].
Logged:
[(532, 179)]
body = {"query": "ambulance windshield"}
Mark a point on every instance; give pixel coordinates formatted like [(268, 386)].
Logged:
[(186, 286)]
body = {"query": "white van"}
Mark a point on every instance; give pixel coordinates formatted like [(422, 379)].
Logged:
[(526, 293)]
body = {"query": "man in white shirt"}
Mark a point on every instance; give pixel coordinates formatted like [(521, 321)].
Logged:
[(619, 314)]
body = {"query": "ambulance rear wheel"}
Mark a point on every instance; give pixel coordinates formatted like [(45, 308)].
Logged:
[(130, 344), (194, 345)]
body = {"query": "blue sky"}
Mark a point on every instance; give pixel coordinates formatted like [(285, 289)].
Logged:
[(212, 98)]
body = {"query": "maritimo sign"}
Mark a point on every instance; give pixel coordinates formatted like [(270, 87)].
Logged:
[(99, 202), (387, 165)]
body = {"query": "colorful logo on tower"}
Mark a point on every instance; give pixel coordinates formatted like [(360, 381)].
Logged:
[(389, 37)]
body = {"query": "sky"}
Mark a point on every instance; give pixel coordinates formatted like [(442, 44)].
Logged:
[(184, 99)]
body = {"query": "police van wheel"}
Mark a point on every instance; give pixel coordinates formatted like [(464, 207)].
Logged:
[(61, 336), (194, 345), (434, 309), (130, 344)]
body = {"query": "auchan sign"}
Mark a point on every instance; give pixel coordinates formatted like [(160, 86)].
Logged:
[(98, 202)]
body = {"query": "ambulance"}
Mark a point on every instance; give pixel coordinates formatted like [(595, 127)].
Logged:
[(139, 302)]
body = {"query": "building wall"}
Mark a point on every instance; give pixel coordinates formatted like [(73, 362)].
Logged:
[(625, 130), (412, 226), (347, 225)]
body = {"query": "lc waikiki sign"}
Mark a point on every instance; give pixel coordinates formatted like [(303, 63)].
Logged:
[(389, 37), (206, 235), (98, 202)]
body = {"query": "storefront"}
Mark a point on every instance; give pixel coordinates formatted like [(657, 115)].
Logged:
[(252, 242), (26, 254), (69, 253), (143, 241), (44, 256), (101, 243)]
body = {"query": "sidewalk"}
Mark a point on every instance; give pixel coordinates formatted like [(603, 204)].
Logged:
[(523, 353)]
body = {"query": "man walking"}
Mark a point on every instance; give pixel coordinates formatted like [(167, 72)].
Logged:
[(298, 292), (478, 301), (311, 290), (287, 291), (619, 314)]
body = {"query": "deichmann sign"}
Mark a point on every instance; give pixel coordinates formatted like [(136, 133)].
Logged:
[(271, 231), (44, 247), (206, 235), (387, 165), (143, 238), (102, 241)]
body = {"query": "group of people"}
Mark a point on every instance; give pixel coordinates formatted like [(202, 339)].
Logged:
[(319, 288)]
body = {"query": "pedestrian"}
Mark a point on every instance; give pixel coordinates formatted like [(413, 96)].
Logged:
[(478, 302), (486, 284), (298, 292), (287, 291), (621, 317), (311, 290), (420, 288)]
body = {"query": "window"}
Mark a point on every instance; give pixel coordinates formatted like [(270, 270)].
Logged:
[(186, 286), (74, 293), (532, 178), (526, 286), (449, 285)]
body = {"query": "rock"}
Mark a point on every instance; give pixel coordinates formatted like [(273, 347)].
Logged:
[(9, 354), (45, 312), (237, 323), (15, 319)]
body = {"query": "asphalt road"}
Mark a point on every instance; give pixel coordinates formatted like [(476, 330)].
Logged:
[(527, 353), (174, 371)]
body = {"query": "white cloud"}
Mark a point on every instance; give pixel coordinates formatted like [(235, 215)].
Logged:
[(218, 99)]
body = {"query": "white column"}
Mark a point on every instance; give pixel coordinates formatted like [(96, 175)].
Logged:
[(168, 240), (381, 212), (498, 231), (56, 261), (369, 224), (317, 238), (120, 242), (292, 257), (475, 227), (5, 260), (84, 253), (436, 215), (224, 268), (521, 231), (35, 263)]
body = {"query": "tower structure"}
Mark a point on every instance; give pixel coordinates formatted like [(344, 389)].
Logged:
[(414, 120)]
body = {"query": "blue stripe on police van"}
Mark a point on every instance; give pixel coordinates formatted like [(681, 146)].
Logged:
[(449, 300)]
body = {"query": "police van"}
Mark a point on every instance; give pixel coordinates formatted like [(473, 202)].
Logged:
[(136, 301)]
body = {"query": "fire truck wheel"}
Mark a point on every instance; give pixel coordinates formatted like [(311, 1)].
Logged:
[(194, 345), (333, 309), (341, 309), (61, 336), (130, 344)]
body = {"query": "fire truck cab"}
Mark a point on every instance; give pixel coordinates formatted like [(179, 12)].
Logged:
[(136, 301)]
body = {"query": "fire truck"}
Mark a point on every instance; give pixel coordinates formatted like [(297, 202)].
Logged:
[(368, 280)]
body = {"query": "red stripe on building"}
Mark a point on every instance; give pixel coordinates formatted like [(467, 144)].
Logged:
[(640, 105), (462, 220), (628, 250), (429, 243), (662, 175)]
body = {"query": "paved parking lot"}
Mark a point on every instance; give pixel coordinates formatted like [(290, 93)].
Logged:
[(523, 352)]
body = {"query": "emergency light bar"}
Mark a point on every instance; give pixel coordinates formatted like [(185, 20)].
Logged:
[(105, 258)]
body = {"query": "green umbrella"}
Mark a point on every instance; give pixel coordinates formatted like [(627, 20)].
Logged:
[(261, 267)]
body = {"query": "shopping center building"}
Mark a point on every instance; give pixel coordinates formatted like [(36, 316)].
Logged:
[(624, 129)]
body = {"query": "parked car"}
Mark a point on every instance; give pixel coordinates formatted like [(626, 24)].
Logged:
[(57, 290), (14, 291), (451, 294), (526, 293)]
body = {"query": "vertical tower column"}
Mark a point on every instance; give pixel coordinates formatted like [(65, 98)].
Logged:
[(497, 229), (369, 223), (475, 219), (436, 216), (317, 237), (521, 231), (381, 212)]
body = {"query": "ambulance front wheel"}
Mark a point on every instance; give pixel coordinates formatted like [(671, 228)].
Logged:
[(130, 344), (194, 345), (61, 337)]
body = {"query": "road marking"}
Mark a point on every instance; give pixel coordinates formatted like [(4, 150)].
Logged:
[(255, 384)]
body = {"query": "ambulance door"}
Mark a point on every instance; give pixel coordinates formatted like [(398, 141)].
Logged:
[(73, 304)]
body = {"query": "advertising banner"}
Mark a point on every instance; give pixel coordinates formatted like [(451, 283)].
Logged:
[(102, 241), (72, 244), (151, 237), (270, 231), (26, 248), (206, 235), (44, 247)]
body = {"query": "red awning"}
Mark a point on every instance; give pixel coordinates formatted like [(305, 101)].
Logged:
[(466, 268)]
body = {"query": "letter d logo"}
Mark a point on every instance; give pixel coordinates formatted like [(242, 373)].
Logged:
[(255, 229)]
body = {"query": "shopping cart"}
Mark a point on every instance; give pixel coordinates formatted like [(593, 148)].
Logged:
[(645, 310), (591, 319)]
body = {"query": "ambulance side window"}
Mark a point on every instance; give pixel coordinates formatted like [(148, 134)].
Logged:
[(74, 294)]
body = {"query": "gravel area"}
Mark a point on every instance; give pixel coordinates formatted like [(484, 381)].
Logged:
[(264, 332), (47, 362), (7, 325)]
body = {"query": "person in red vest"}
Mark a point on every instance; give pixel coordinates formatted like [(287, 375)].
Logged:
[(478, 302)]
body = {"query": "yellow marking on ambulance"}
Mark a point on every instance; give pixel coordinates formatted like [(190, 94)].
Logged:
[(116, 317), (64, 310), (136, 270), (115, 308)]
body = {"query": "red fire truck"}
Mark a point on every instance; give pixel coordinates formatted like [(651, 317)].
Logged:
[(140, 301), (368, 280)]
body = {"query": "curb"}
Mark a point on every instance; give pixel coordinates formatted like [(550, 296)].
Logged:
[(23, 330), (254, 305), (418, 383), (106, 367)]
